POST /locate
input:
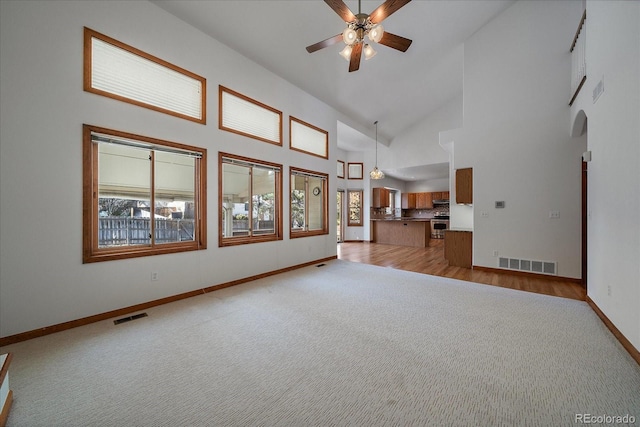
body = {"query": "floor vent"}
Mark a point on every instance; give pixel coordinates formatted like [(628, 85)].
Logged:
[(130, 318), (542, 267), (321, 265)]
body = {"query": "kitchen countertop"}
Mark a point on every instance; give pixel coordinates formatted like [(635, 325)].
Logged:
[(401, 219)]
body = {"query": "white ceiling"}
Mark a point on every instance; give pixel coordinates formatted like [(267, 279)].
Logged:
[(397, 89)]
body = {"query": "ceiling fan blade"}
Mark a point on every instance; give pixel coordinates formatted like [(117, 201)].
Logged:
[(395, 42), (356, 53), (324, 43), (341, 9), (386, 9)]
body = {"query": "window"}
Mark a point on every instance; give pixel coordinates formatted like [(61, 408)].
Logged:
[(141, 196), (354, 198), (245, 116), (340, 170), (119, 71), (355, 170), (308, 138), (250, 199), (309, 202), (390, 210)]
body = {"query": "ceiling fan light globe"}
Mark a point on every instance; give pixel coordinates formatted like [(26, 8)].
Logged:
[(349, 36), (346, 53), (376, 33), (369, 52)]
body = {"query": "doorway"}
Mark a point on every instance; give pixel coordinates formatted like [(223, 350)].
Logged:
[(340, 216), (585, 216)]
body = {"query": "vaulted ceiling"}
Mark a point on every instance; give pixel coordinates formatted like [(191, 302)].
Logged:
[(397, 89)]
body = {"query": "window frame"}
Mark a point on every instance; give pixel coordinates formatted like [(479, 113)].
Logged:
[(89, 34), (324, 191), (357, 165), (91, 252), (350, 222), (224, 241), (223, 89), (340, 169), (310, 126)]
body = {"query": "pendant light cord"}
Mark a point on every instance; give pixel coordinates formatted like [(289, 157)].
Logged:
[(376, 123)]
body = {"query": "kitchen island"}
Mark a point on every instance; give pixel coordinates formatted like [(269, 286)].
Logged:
[(415, 232)]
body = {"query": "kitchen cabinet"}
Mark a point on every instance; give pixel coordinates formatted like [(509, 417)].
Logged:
[(445, 195), (408, 200), (380, 198), (464, 186), (458, 248), (424, 201), (436, 195)]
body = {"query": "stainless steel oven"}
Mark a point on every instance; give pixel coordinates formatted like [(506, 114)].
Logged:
[(439, 223)]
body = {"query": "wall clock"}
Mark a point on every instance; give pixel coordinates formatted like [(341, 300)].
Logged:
[(316, 191)]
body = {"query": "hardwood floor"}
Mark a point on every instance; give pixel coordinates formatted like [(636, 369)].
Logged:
[(431, 260)]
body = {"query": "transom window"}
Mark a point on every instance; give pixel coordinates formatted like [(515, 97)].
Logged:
[(142, 196), (308, 138), (119, 71), (245, 116), (309, 201), (250, 200)]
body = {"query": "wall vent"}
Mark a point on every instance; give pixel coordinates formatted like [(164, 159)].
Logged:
[(542, 267)]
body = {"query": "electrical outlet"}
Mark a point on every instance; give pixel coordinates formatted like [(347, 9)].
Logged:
[(554, 214), (495, 253), (484, 214), (154, 276), (609, 290)]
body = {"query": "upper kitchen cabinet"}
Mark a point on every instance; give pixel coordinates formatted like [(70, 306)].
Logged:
[(408, 200), (464, 186), (424, 201), (445, 195), (380, 198)]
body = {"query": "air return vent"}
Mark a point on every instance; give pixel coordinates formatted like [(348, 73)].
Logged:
[(542, 267), (129, 319)]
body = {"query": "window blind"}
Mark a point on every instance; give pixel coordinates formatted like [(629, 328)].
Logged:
[(126, 74), (109, 139), (306, 138), (249, 118)]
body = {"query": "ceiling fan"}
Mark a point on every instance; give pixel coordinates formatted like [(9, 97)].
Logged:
[(361, 25)]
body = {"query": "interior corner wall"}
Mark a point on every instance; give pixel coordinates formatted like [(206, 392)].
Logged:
[(43, 106), (419, 144), (613, 137), (516, 93)]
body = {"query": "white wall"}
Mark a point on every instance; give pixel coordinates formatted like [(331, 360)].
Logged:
[(613, 122), (42, 278), (461, 216), (419, 144), (516, 94), (428, 185)]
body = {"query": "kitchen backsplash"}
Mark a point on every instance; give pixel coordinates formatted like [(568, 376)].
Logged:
[(379, 213), (424, 213)]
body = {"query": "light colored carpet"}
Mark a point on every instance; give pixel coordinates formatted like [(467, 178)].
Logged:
[(344, 344)]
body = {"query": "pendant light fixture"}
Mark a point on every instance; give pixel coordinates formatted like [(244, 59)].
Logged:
[(375, 172)]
